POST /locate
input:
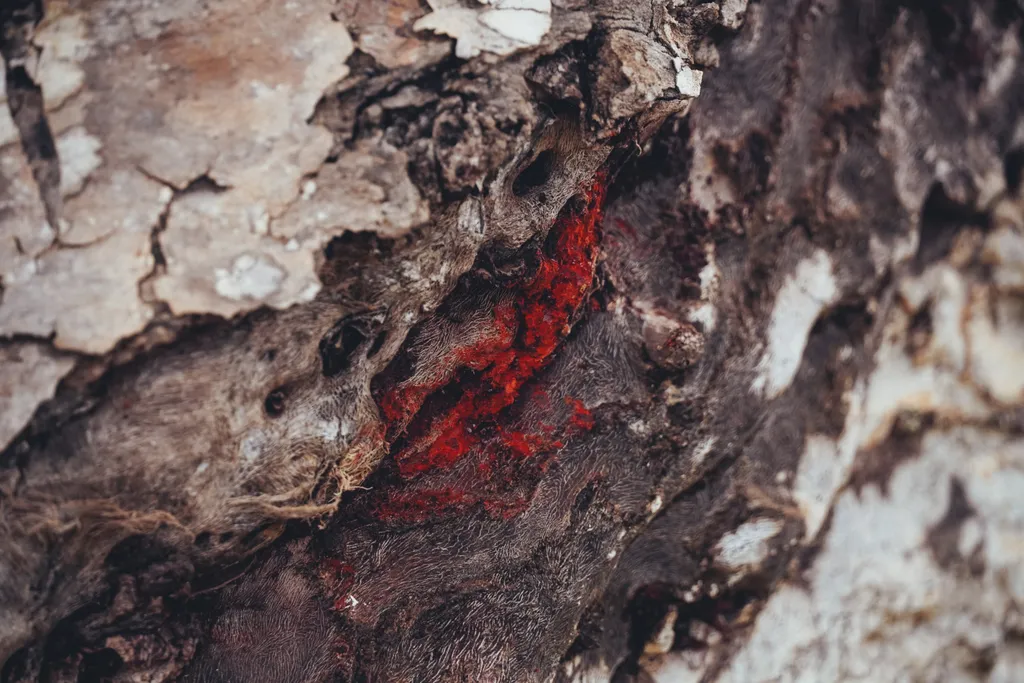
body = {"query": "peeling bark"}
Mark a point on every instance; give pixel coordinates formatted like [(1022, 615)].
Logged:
[(512, 341)]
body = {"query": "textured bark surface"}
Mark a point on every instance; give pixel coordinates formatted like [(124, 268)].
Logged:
[(512, 341)]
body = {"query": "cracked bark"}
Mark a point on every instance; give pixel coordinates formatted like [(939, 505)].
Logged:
[(335, 348)]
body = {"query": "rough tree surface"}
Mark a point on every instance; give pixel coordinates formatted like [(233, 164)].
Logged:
[(523, 340)]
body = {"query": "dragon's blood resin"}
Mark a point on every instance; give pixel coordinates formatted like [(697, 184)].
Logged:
[(518, 339)]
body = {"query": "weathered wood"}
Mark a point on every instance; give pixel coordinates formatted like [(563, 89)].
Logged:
[(336, 348)]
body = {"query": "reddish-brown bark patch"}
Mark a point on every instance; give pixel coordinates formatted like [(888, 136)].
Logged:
[(436, 424)]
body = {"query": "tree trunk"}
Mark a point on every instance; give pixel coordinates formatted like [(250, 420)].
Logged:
[(512, 341)]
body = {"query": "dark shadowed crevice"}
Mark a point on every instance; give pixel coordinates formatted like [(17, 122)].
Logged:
[(944, 538), (941, 219), (1013, 168), (18, 19)]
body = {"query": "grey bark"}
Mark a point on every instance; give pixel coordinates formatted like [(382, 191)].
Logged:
[(778, 439)]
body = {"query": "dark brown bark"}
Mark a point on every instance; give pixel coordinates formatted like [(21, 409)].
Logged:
[(609, 384)]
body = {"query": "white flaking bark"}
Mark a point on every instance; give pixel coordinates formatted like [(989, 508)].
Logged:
[(804, 295), (747, 546), (137, 110), (29, 373), (500, 27), (24, 231), (879, 607)]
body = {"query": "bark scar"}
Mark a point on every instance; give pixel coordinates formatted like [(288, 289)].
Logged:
[(432, 425)]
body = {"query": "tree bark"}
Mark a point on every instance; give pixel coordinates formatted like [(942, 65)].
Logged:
[(512, 341)]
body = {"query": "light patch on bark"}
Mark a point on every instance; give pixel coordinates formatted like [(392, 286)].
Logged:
[(65, 45), (137, 109), (500, 27), (822, 470), (62, 48), (889, 252), (996, 331), (1005, 247), (329, 430), (24, 230), (597, 673), (650, 70), (79, 157), (878, 606), (676, 670), (910, 582), (366, 190), (912, 181), (252, 277), (689, 665), (384, 33), (655, 505), (29, 374), (8, 131), (733, 12), (661, 641), (804, 295), (688, 80), (208, 273), (705, 313), (930, 380), (252, 446), (87, 297), (700, 453), (747, 546)]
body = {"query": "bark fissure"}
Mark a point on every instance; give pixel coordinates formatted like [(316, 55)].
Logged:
[(522, 367)]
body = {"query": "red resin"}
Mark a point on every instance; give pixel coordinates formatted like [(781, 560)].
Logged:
[(521, 339), (524, 335), (402, 403), (545, 306), (339, 577), (581, 417), (420, 505)]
